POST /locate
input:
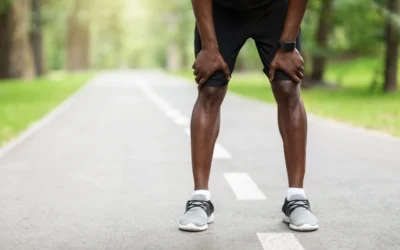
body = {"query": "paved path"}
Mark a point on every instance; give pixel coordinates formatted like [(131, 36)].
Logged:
[(112, 171)]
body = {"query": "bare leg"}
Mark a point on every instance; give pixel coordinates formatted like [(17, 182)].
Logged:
[(204, 127), (292, 120)]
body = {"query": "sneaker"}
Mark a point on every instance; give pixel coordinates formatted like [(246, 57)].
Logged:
[(298, 214), (199, 213)]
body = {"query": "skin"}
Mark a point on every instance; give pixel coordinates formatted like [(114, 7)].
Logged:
[(292, 119)]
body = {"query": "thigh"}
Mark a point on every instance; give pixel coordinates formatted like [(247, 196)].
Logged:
[(267, 33), (231, 36)]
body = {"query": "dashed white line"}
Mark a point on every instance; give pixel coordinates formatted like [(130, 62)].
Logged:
[(180, 120), (244, 187), (279, 241), (172, 113), (219, 151)]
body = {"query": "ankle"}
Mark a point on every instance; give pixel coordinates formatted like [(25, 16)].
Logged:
[(295, 191), (204, 192)]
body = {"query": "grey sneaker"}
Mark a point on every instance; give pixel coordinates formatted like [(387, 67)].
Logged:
[(199, 213), (298, 214)]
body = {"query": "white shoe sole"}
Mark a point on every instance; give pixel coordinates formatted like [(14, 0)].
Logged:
[(193, 228), (302, 228)]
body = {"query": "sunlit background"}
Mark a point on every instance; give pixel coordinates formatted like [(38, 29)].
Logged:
[(49, 48)]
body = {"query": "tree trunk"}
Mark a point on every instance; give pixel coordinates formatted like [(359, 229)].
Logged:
[(324, 29), (392, 43), (78, 38), (36, 37), (15, 47), (5, 43)]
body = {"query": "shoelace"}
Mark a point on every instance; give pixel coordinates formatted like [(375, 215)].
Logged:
[(293, 204), (194, 203)]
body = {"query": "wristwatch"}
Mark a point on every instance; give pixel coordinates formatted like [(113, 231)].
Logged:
[(287, 46)]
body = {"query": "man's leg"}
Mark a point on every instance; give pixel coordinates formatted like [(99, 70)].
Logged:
[(292, 120), (204, 127), (204, 132), (231, 35)]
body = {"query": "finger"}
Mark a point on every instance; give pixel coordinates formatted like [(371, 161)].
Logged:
[(271, 73), (300, 74), (302, 69), (198, 77), (226, 71), (195, 72), (202, 81), (199, 86), (299, 66), (295, 78), (194, 66)]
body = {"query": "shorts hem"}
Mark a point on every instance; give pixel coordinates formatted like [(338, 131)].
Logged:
[(278, 76), (216, 83)]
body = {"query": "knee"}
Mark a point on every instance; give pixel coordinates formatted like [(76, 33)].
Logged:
[(286, 93), (210, 98)]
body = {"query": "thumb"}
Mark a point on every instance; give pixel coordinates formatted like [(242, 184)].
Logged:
[(226, 70), (271, 73)]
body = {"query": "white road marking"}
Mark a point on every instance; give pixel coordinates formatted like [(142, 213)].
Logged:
[(181, 120), (173, 113), (161, 103), (36, 126), (279, 241), (219, 151), (244, 187)]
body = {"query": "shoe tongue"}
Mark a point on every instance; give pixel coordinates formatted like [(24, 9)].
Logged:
[(199, 197), (297, 197)]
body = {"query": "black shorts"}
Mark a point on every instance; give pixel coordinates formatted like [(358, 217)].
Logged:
[(234, 27)]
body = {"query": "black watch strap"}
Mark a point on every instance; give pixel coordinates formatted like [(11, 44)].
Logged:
[(287, 46)]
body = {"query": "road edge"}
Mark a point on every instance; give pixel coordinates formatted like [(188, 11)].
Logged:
[(37, 125)]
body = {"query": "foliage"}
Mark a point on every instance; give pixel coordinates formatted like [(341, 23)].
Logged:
[(136, 33), (5, 4)]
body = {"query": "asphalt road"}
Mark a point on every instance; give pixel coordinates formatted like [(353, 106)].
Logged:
[(111, 170)]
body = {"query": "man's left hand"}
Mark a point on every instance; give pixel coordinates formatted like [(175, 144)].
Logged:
[(289, 62)]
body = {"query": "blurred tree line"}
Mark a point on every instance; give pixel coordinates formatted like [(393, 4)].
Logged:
[(37, 36)]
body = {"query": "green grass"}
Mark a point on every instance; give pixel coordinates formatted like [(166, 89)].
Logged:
[(354, 103), (23, 102)]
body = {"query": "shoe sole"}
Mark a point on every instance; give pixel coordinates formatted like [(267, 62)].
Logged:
[(302, 228), (193, 228)]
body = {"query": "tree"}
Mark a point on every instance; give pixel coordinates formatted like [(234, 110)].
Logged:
[(392, 43), (78, 36), (16, 60), (36, 37), (322, 34), (5, 41)]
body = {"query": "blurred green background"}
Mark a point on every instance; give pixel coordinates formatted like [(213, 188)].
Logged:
[(49, 48)]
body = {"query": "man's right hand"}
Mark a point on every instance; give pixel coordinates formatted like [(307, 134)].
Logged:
[(207, 63)]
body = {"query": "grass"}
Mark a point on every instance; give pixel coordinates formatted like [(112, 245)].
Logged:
[(354, 103), (23, 102)]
